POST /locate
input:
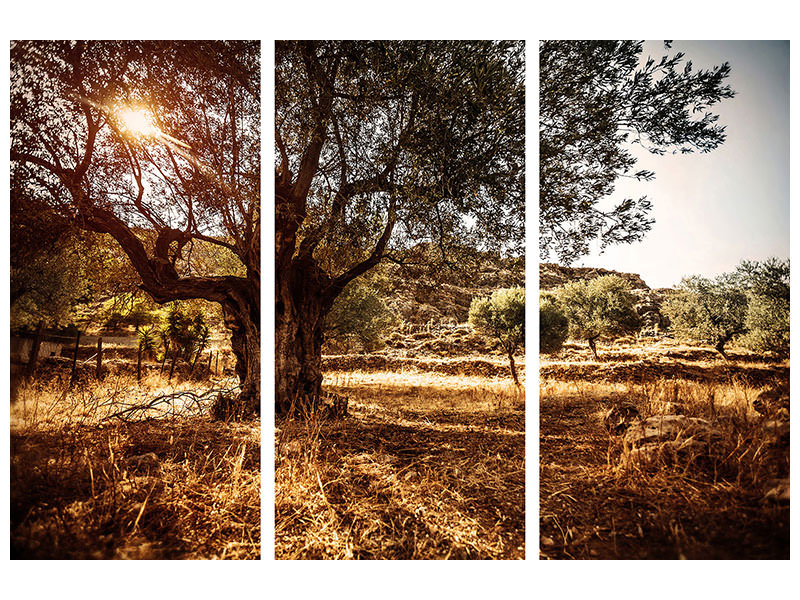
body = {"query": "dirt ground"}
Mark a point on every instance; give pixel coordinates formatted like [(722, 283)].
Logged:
[(425, 466), (93, 479), (715, 508)]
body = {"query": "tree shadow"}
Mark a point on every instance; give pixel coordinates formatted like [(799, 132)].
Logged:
[(79, 493), (432, 488)]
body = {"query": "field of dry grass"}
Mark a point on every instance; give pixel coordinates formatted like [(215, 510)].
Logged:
[(718, 497), (94, 477), (425, 466)]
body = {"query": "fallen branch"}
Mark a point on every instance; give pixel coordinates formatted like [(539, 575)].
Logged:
[(187, 400)]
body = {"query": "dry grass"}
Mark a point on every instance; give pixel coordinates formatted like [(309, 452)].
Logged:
[(708, 505), (425, 467), (164, 483)]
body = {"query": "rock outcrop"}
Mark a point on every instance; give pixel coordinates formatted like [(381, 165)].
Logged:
[(443, 298), (667, 439)]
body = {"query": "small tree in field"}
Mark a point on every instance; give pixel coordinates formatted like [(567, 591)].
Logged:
[(767, 320), (708, 310), (502, 315), (553, 324), (750, 304), (359, 313), (767, 324), (603, 306)]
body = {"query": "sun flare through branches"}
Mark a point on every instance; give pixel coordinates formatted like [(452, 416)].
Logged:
[(137, 122)]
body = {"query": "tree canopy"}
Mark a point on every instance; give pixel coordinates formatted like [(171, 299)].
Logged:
[(403, 139), (708, 310), (156, 144), (598, 100), (599, 307), (502, 316), (553, 324), (749, 305), (359, 314), (383, 149)]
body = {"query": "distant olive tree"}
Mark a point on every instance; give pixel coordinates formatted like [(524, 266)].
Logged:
[(502, 315), (767, 324), (767, 319), (750, 305), (597, 308), (359, 314), (553, 324), (708, 310)]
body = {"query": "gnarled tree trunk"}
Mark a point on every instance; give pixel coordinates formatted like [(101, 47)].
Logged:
[(243, 318), (301, 305), (240, 298), (513, 367)]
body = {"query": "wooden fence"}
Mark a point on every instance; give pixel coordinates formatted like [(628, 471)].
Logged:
[(31, 348)]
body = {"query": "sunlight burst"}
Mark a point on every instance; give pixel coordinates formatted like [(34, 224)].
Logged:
[(137, 121)]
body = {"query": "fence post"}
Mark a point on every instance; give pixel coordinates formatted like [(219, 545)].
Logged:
[(172, 365), (37, 342), (210, 358), (164, 360), (139, 362), (75, 359), (216, 364), (99, 372)]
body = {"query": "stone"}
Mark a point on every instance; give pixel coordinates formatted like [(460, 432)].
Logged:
[(620, 417), (664, 428), (666, 439), (664, 453), (777, 491)]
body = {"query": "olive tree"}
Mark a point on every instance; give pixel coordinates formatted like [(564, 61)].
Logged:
[(502, 316), (708, 310), (600, 307), (156, 145), (359, 313), (553, 324), (383, 148), (768, 325), (767, 320), (749, 305)]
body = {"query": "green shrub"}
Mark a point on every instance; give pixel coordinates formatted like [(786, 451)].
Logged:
[(502, 315), (750, 305), (553, 324), (600, 307), (359, 316), (767, 324), (767, 318)]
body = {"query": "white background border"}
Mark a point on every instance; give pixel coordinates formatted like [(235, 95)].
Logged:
[(233, 19)]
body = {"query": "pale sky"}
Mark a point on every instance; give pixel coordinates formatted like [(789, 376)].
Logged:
[(714, 210)]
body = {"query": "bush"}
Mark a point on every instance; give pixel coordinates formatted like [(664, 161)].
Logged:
[(187, 334), (750, 305), (359, 315), (767, 318), (502, 315), (600, 307), (767, 324), (708, 310), (140, 315), (553, 325)]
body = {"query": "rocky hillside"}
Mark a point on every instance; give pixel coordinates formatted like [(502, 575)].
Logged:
[(444, 297), (552, 276), (648, 303)]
